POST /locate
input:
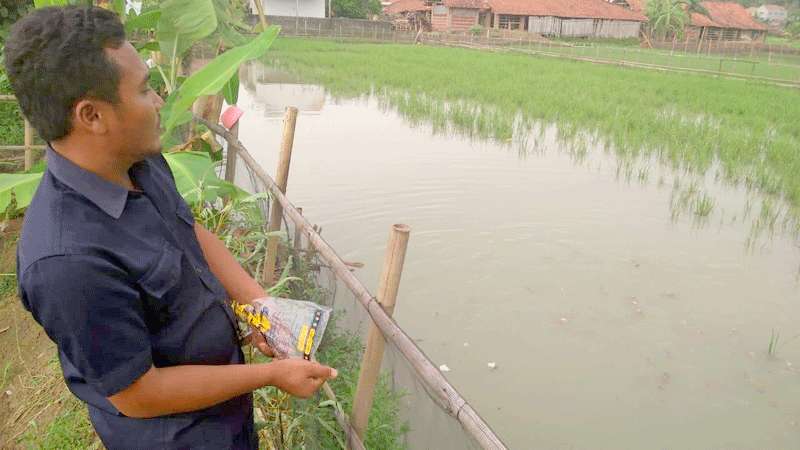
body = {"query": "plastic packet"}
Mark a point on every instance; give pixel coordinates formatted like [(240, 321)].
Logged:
[(292, 328)]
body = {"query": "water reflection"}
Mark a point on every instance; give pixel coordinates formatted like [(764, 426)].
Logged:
[(274, 90)]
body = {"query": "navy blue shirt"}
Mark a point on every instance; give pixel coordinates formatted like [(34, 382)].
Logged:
[(119, 282)]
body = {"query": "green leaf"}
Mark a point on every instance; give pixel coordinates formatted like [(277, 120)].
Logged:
[(196, 180), (231, 90), (151, 46), (212, 78), (118, 6), (46, 3), (182, 23), (21, 185), (147, 20)]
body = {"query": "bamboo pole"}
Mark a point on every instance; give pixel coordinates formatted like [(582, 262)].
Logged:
[(28, 145), (298, 235), (353, 441), (230, 156), (281, 178), (441, 391), (262, 18), (373, 354)]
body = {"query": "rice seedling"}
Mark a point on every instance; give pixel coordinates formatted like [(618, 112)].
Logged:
[(774, 339), (687, 122)]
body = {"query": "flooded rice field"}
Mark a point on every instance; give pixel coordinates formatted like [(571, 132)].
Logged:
[(625, 305)]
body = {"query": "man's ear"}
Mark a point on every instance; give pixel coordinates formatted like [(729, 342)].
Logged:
[(90, 116)]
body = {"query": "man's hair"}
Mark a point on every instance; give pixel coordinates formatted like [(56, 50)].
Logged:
[(55, 57)]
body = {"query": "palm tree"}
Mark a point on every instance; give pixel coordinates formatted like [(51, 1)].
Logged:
[(667, 18)]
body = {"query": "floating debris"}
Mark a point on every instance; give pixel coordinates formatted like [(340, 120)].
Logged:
[(444, 368), (466, 344), (492, 365), (564, 320)]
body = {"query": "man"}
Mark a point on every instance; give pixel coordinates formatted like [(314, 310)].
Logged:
[(111, 262)]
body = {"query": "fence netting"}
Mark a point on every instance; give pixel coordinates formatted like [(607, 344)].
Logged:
[(404, 413)]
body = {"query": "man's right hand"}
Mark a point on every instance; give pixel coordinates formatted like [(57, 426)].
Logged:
[(299, 377)]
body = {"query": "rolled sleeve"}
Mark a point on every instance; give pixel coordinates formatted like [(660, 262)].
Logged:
[(94, 314)]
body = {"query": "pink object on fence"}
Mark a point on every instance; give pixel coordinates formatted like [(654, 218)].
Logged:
[(230, 116)]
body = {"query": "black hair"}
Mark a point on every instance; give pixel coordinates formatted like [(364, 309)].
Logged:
[(55, 56)]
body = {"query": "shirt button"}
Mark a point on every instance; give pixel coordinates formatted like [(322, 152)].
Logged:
[(198, 269)]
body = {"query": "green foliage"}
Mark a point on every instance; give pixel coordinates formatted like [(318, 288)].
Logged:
[(667, 18), (17, 188), (46, 3), (11, 11), (181, 24), (231, 90), (355, 9), (147, 20), (70, 430), (196, 179)]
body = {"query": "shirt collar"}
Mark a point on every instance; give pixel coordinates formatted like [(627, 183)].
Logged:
[(107, 196)]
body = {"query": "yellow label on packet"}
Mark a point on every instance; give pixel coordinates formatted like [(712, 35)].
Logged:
[(301, 340), (309, 342)]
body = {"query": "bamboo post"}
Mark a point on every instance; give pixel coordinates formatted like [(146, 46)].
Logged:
[(281, 178), (28, 145), (230, 157), (298, 233), (373, 354)]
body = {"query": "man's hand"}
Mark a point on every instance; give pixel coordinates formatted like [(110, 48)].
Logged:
[(299, 377)]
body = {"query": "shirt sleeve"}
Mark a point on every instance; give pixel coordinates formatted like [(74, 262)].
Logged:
[(95, 316)]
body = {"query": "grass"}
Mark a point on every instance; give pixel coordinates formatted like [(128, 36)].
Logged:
[(689, 122), (71, 429), (783, 41)]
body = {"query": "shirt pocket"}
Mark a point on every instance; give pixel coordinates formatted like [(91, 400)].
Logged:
[(161, 281)]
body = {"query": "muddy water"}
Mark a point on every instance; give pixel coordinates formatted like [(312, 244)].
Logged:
[(611, 323)]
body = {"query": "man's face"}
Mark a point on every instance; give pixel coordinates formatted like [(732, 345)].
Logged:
[(135, 124)]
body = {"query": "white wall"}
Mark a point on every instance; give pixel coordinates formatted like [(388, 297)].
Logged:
[(307, 8), (771, 16)]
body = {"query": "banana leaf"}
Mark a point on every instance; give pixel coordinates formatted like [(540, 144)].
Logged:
[(182, 23), (211, 79), (20, 186)]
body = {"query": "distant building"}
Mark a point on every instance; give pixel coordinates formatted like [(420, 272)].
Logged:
[(291, 8), (410, 14), (726, 21), (775, 15), (568, 18)]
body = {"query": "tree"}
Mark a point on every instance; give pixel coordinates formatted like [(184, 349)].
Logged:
[(668, 18), (355, 9)]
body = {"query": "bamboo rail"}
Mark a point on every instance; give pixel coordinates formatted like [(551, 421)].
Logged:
[(437, 385), (28, 147)]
